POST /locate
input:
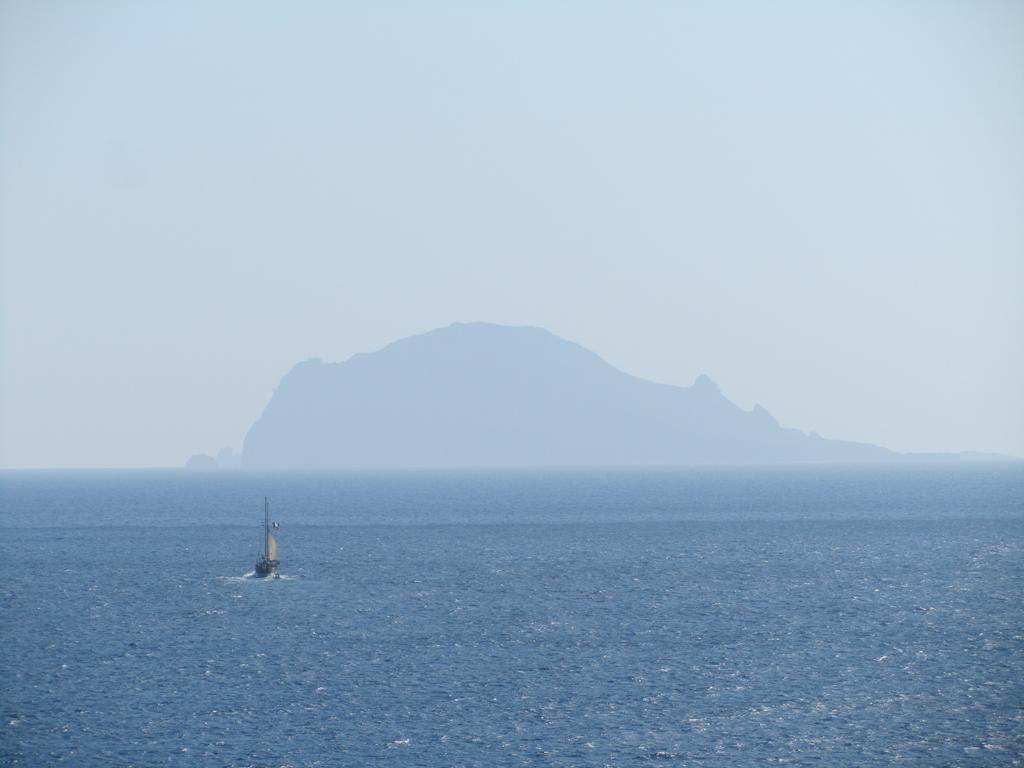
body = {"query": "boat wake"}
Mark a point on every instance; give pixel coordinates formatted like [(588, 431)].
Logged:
[(251, 576), (236, 579)]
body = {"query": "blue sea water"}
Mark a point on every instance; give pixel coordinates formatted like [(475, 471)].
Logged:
[(834, 616)]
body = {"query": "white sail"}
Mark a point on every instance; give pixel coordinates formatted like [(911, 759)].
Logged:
[(271, 547)]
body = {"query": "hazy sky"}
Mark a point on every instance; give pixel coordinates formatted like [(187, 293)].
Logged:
[(819, 204)]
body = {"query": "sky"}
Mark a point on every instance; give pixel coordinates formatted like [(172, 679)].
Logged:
[(818, 204)]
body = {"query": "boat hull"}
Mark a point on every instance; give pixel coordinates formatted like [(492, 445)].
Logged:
[(265, 568)]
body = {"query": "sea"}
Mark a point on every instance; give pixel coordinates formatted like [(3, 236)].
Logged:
[(798, 616)]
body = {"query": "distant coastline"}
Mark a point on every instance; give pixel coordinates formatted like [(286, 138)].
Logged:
[(485, 395)]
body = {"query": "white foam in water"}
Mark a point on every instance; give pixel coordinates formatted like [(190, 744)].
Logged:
[(251, 576), (237, 579)]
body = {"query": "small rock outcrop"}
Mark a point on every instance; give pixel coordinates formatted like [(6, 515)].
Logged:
[(201, 461)]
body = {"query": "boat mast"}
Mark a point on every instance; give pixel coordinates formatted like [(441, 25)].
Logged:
[(266, 528)]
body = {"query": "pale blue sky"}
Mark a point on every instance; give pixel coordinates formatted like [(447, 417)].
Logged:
[(821, 205)]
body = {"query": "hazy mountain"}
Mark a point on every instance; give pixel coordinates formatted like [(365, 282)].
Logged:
[(487, 395)]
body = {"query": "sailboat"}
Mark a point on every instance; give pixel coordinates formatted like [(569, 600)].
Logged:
[(268, 562)]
